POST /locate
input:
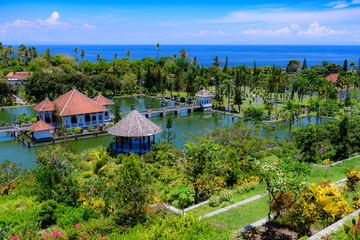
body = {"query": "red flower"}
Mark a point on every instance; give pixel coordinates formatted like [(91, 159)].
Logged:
[(15, 238)]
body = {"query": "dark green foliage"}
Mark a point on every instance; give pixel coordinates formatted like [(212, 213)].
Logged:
[(117, 113), (253, 114), (343, 148), (47, 215), (307, 140), (168, 136)]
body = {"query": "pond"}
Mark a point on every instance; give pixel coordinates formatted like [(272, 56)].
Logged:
[(196, 123)]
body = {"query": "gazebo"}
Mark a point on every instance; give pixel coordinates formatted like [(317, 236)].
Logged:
[(133, 133)]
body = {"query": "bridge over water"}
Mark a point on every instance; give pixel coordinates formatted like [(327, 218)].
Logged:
[(165, 110), (14, 128)]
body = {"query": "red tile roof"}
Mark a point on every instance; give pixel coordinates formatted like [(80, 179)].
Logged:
[(40, 126), (45, 106), (75, 103), (332, 77), (100, 99), (18, 75)]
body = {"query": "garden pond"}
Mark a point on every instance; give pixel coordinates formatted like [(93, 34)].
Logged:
[(197, 123)]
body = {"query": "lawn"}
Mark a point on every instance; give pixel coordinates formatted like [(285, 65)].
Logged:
[(241, 216), (246, 214), (237, 197)]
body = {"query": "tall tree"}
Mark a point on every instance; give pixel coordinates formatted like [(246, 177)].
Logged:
[(290, 113), (128, 53), (76, 52), (82, 54), (304, 66), (227, 89), (158, 50), (345, 67), (98, 57)]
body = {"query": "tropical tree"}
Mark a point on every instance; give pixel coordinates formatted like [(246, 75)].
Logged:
[(128, 53), (228, 89), (158, 50), (301, 86), (200, 82), (290, 113), (76, 52), (98, 57), (183, 54), (82, 54)]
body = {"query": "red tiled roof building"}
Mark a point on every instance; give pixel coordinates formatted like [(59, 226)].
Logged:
[(17, 77), (332, 77), (76, 110)]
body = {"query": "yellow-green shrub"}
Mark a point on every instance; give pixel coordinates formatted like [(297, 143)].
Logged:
[(317, 203), (353, 178)]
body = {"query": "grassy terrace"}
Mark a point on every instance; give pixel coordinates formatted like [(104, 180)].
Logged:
[(246, 214)]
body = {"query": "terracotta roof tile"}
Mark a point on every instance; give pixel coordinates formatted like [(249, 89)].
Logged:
[(18, 75), (44, 106), (332, 77), (100, 99), (40, 126), (75, 103)]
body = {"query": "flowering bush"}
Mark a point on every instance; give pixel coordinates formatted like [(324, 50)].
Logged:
[(353, 178), (317, 203)]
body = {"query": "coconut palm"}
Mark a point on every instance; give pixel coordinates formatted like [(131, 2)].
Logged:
[(128, 54), (98, 57), (158, 49), (290, 113), (301, 86), (76, 52), (115, 56), (82, 54), (200, 83), (227, 89)]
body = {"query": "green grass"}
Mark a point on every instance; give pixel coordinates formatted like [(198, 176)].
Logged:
[(237, 197), (246, 214), (336, 172), (241, 216)]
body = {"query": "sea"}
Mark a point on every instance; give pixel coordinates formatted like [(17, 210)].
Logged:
[(263, 55)]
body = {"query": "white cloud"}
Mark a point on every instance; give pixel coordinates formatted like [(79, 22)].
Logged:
[(338, 4), (282, 31), (91, 27), (355, 2), (316, 30), (288, 15), (221, 33), (295, 27), (51, 22)]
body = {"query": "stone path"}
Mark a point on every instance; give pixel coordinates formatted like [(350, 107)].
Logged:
[(334, 226)]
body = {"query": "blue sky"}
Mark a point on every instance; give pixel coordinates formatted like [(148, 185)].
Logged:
[(180, 22)]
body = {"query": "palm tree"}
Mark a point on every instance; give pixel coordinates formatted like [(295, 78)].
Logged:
[(290, 113), (98, 57), (115, 56), (300, 86), (227, 89), (158, 49), (175, 55), (128, 54), (200, 83), (76, 52), (82, 54)]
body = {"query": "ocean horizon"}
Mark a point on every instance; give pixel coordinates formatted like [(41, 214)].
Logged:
[(263, 55)]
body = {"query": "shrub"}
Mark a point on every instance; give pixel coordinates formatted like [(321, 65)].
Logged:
[(225, 196), (87, 174), (69, 130), (34, 120), (91, 128), (77, 130), (353, 178), (214, 201), (46, 213), (317, 203)]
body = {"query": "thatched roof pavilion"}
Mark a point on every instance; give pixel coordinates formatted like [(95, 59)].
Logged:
[(131, 128)]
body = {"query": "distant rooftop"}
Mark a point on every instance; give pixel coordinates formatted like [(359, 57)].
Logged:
[(18, 75), (332, 77), (204, 93)]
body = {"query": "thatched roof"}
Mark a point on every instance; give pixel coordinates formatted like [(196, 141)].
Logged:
[(204, 93), (134, 125)]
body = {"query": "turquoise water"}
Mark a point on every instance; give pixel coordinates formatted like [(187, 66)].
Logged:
[(196, 123)]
